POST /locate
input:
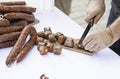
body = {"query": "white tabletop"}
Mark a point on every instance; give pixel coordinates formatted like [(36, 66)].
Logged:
[(105, 64)]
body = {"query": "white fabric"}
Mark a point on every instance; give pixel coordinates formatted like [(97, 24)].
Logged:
[(105, 64)]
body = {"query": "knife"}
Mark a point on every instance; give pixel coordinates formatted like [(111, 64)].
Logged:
[(90, 24)]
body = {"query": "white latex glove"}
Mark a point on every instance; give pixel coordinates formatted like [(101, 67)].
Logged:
[(99, 40), (96, 8)]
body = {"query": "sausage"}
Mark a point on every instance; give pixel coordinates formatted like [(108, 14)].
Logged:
[(51, 38), (10, 29), (58, 34), (41, 44), (7, 44), (47, 33), (25, 49), (50, 47), (13, 3), (38, 40), (41, 34), (3, 21), (57, 50), (14, 16), (69, 42), (47, 29), (43, 50), (9, 36), (19, 48), (46, 41), (18, 23), (61, 39), (17, 8), (43, 77)]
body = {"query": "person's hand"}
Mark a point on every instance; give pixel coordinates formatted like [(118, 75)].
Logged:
[(96, 8), (99, 40)]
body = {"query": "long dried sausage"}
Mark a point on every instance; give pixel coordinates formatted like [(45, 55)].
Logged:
[(9, 36), (14, 16), (3, 21), (17, 8), (26, 49), (10, 29), (13, 3), (19, 23), (7, 44), (19, 48)]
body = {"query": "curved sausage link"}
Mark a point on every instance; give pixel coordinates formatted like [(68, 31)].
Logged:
[(19, 48), (25, 49)]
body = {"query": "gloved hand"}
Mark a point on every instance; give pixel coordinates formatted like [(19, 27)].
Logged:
[(96, 8), (99, 40)]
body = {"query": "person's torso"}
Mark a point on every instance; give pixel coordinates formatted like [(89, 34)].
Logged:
[(117, 3), (116, 7)]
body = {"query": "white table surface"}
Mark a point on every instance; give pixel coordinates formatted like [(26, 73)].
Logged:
[(105, 64)]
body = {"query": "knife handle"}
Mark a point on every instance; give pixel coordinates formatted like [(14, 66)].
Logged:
[(90, 24)]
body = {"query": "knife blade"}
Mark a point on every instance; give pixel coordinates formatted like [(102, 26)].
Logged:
[(90, 24)]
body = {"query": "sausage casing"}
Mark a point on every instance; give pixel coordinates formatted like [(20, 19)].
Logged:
[(10, 29), (9, 36), (13, 3), (19, 23), (19, 48), (4, 22), (17, 8), (14, 16), (7, 44)]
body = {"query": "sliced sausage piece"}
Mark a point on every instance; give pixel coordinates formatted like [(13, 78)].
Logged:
[(61, 39), (43, 50), (47, 29), (58, 34), (50, 47), (41, 34), (38, 40), (57, 50), (47, 33), (51, 38), (69, 42)]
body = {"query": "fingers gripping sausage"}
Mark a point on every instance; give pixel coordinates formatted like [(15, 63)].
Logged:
[(18, 48), (14, 16)]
